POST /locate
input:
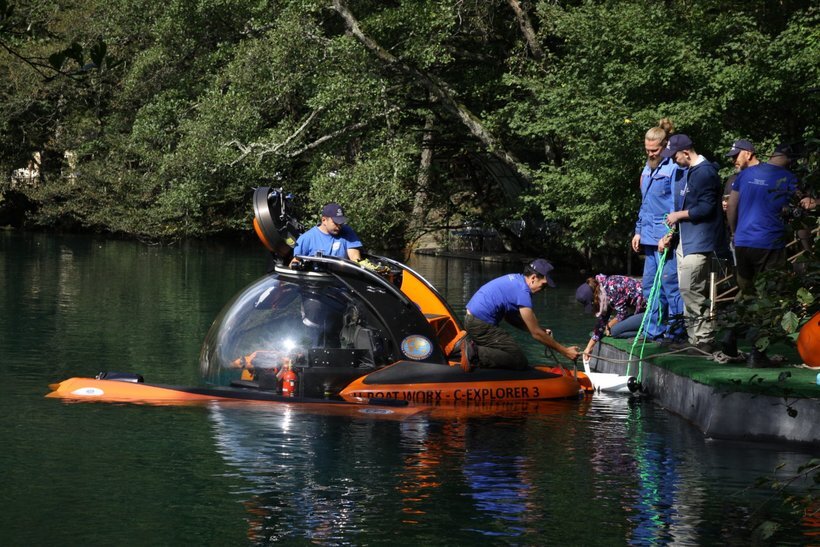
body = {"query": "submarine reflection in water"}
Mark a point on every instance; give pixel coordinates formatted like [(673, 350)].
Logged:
[(334, 478)]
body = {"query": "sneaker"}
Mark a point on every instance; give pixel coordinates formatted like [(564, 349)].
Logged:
[(469, 355)]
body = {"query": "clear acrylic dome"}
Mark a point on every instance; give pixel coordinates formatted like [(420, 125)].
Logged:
[(299, 318)]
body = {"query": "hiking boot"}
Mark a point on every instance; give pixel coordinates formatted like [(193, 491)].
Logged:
[(758, 359), (729, 344), (469, 355)]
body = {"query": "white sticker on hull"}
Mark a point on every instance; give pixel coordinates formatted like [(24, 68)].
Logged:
[(88, 392)]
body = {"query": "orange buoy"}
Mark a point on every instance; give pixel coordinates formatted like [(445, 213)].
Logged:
[(289, 382), (808, 342)]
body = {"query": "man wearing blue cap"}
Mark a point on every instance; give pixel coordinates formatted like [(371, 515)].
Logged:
[(509, 297), (743, 154), (331, 237), (759, 196), (699, 218)]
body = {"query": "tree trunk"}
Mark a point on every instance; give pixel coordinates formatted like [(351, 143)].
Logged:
[(421, 203)]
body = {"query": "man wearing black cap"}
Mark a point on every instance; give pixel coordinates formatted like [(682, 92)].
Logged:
[(701, 227), (332, 237), (759, 196), (510, 297), (742, 154)]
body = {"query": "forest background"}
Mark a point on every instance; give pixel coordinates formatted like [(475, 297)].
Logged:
[(158, 119)]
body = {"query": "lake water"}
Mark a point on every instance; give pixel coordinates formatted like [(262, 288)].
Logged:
[(603, 471)]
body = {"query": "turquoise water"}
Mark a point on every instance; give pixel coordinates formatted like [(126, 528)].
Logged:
[(603, 471)]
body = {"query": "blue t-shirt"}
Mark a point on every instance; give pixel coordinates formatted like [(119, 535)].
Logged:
[(315, 240), (764, 190), (501, 298), (656, 193)]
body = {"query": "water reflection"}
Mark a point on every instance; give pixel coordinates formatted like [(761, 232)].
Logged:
[(657, 499), (595, 472), (339, 479)]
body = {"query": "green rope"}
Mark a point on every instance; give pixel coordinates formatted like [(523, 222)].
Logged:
[(654, 297)]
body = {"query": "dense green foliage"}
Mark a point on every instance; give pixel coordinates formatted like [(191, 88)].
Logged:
[(172, 112)]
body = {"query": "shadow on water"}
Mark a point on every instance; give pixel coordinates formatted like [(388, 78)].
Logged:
[(603, 471)]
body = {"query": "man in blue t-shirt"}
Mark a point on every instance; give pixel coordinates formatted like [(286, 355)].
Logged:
[(331, 237), (759, 196), (510, 297), (322, 313)]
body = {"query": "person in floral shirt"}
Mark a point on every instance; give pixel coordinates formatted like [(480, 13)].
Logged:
[(606, 295)]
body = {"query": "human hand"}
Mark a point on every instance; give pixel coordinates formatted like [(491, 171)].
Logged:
[(571, 353), (636, 243), (663, 243), (673, 218)]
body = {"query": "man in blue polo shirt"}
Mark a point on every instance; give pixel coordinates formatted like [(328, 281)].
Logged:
[(510, 297), (759, 196), (331, 237)]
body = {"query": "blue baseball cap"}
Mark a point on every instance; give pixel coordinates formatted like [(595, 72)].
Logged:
[(334, 211), (584, 297), (739, 146), (675, 144), (543, 267)]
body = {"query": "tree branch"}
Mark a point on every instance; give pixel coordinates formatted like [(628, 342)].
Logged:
[(526, 29), (29, 62), (262, 149), (267, 148), (436, 87)]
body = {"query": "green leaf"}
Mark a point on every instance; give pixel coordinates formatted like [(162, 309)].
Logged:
[(789, 322), (765, 530), (804, 296)]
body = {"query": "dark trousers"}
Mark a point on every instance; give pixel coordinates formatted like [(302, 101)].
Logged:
[(751, 261), (496, 347)]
